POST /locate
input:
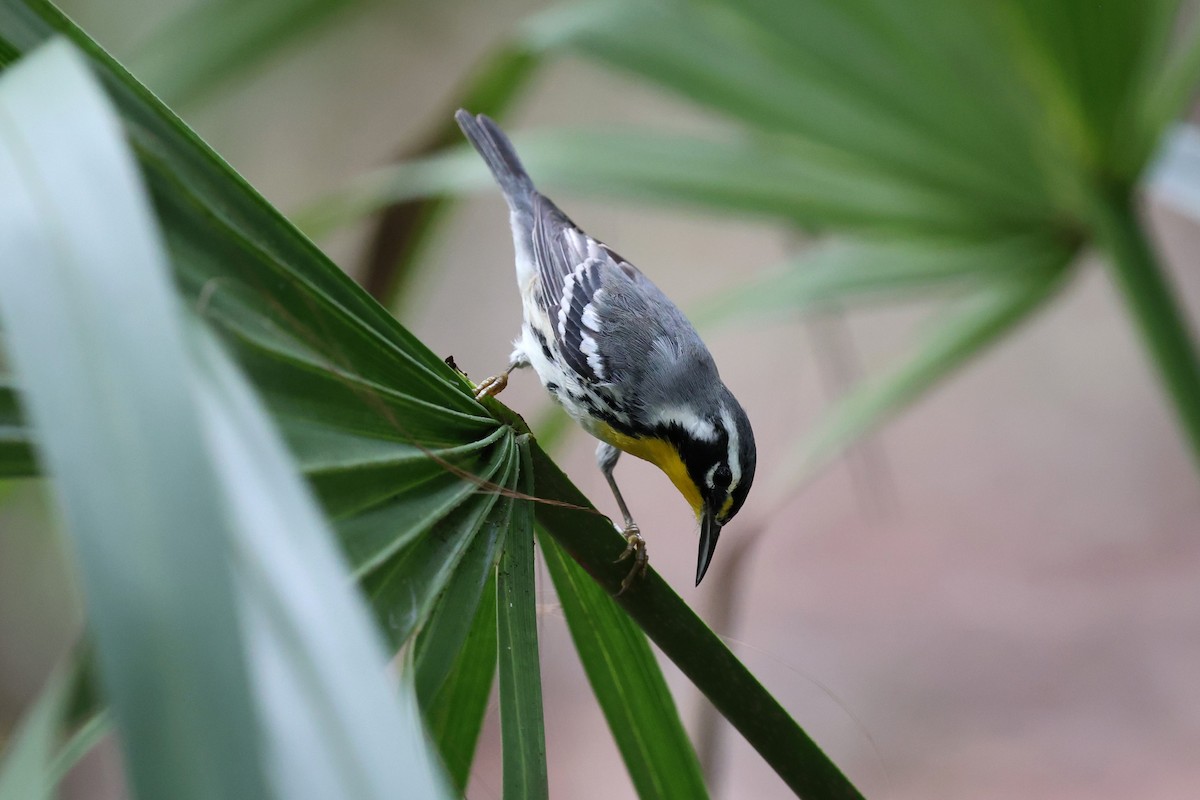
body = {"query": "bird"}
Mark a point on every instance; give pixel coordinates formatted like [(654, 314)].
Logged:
[(619, 357)]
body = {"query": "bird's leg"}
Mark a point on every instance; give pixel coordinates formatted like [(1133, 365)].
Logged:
[(635, 545), (495, 384)]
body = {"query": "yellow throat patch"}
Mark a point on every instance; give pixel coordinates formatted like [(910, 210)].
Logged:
[(661, 454)]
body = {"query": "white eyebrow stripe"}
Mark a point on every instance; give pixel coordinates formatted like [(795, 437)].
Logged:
[(695, 425), (735, 463)]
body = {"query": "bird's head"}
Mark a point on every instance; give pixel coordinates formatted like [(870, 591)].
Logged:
[(714, 448)]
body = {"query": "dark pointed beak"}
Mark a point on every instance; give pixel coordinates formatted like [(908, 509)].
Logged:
[(710, 530)]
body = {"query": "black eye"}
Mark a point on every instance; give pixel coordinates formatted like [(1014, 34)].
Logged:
[(722, 476)]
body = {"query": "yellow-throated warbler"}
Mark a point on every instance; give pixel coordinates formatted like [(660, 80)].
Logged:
[(619, 357)]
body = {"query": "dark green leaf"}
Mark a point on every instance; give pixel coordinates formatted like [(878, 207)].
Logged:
[(522, 727), (1161, 321), (1089, 65), (454, 715), (172, 481), (404, 588), (439, 644), (16, 457), (375, 534), (226, 240), (628, 683), (328, 355)]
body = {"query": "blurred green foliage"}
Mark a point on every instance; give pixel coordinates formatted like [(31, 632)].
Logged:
[(975, 148)]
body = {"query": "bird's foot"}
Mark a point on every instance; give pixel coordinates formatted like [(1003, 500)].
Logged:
[(492, 386), (635, 548)]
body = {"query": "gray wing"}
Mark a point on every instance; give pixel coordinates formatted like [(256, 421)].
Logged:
[(613, 326)]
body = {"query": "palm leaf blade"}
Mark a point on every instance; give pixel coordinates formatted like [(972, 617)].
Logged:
[(522, 727), (178, 542), (628, 684)]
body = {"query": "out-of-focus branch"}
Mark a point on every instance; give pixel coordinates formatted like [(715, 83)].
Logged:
[(404, 230)]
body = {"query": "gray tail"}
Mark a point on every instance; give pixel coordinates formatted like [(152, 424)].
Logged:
[(500, 156)]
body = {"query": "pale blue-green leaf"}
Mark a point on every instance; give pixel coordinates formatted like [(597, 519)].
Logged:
[(762, 176), (25, 764), (237, 258), (108, 391), (873, 269), (89, 734), (335, 726)]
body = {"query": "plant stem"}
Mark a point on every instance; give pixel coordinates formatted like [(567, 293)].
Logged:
[(1152, 302)]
